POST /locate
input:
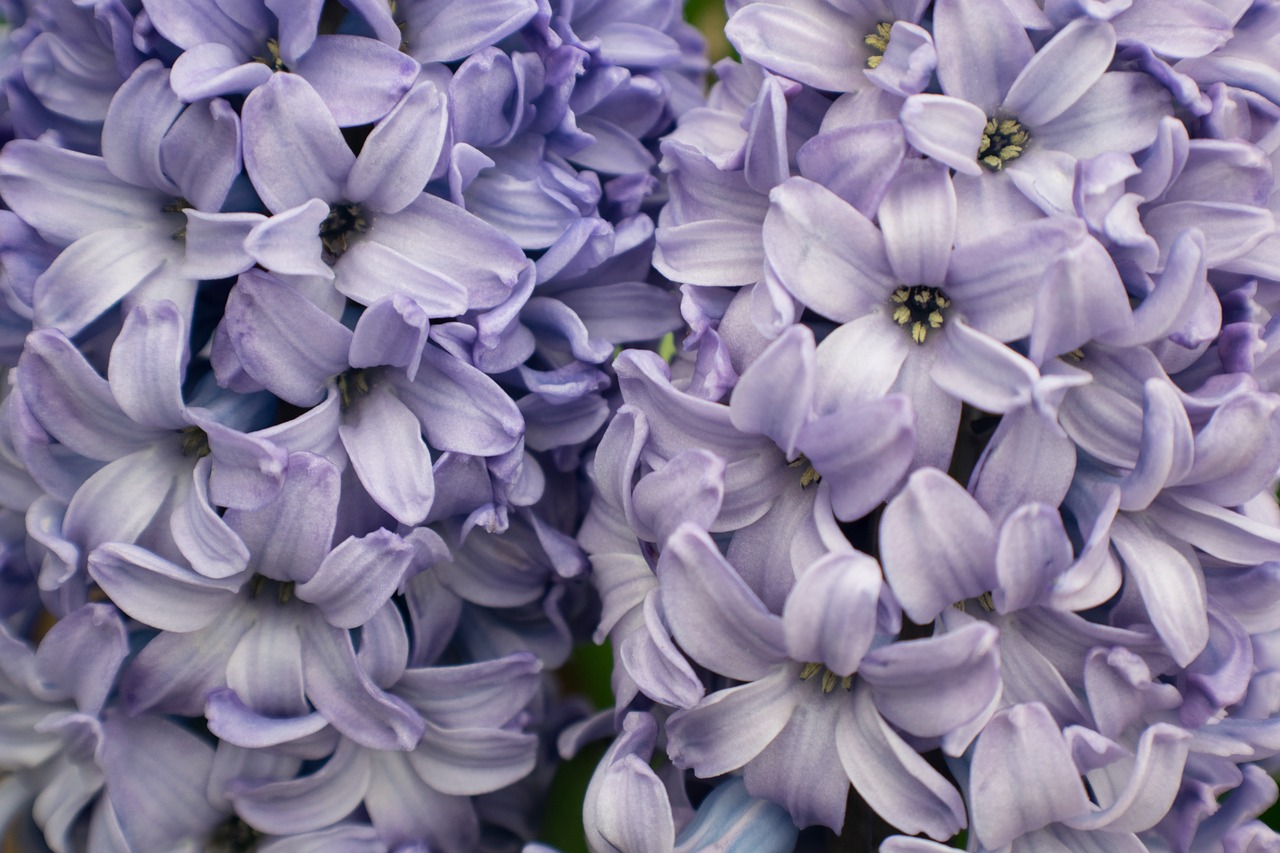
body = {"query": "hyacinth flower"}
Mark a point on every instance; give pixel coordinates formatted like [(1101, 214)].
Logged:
[(1021, 112), (142, 779), (231, 50), (119, 218), (627, 806)]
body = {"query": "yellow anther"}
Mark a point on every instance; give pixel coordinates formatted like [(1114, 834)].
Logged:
[(829, 680), (878, 42), (918, 332), (809, 670), (935, 319), (901, 295), (902, 315)]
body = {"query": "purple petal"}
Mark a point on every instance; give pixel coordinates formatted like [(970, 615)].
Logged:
[(247, 471), (1033, 551), (983, 372), (202, 535), (460, 408), (407, 810), (829, 617), (710, 252), (730, 727), (359, 79), (173, 672), (265, 669), (293, 149), (157, 771), (656, 664), (377, 561), (215, 243), (289, 538), (455, 245), (66, 195), (946, 129), (234, 722), (1042, 91), (803, 40), (188, 24), (211, 69), (64, 392), (937, 545), (342, 691), (473, 760), (371, 272), (863, 450), (1120, 112), (399, 155), (384, 442), (1022, 777), (918, 218), (483, 694), (148, 366), (932, 686), (856, 163), (800, 771), (814, 239), (289, 243), (307, 802), (1145, 786), (283, 340), (81, 655), (980, 51), (157, 592), (97, 271), (895, 781), (859, 362), (713, 614), (201, 153), (992, 281), (1166, 452), (140, 115), (392, 331), (690, 487), (448, 30), (908, 63), (1168, 575), (773, 396)]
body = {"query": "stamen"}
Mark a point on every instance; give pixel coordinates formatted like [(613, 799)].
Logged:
[(343, 221), (829, 678), (1003, 139), (275, 63), (351, 386), (878, 42), (195, 442), (919, 309), (810, 474)]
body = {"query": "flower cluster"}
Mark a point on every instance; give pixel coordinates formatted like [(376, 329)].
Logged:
[(955, 510), (307, 308)]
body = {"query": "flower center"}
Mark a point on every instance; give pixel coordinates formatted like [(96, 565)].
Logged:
[(810, 474), (177, 206), (919, 309), (829, 678), (352, 385), (343, 221), (1002, 139), (878, 42), (261, 584), (195, 442), (274, 62)]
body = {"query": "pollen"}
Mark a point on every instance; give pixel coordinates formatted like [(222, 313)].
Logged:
[(351, 386), (343, 222), (810, 474), (829, 678), (1003, 139), (919, 309), (274, 62), (195, 442), (878, 42)]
